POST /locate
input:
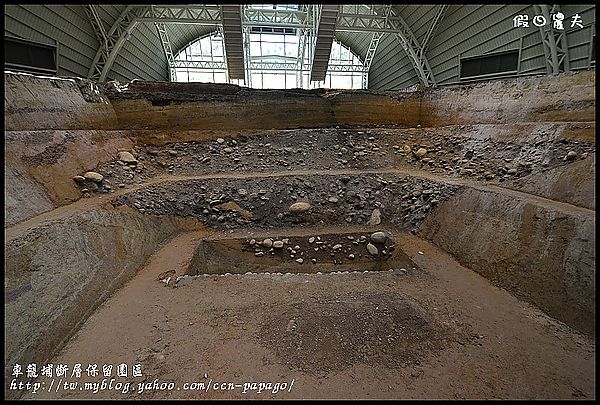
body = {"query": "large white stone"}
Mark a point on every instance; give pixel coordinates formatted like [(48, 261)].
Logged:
[(299, 207), (97, 177)]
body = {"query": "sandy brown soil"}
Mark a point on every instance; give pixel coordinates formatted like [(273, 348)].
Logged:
[(444, 332)]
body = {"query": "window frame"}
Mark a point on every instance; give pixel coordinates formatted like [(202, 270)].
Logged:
[(54, 47), (505, 73)]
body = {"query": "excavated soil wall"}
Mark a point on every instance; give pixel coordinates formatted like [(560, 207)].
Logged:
[(543, 255), (33, 103), (36, 103), (564, 97), (58, 273)]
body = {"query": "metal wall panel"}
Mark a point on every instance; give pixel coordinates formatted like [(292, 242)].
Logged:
[(142, 57), (471, 30), (67, 25)]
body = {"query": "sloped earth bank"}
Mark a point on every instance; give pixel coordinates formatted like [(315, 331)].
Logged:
[(440, 332)]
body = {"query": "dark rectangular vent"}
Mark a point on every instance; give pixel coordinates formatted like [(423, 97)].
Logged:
[(273, 30), (499, 63), (29, 56)]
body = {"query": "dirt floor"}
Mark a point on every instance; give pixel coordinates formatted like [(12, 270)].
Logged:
[(441, 332)]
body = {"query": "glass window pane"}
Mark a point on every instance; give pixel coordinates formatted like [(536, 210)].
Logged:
[(217, 47), (220, 76), (341, 82), (290, 80), (344, 53), (257, 81), (273, 81), (254, 48)]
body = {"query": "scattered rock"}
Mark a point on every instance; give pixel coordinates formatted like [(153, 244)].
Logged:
[(421, 152), (220, 140), (571, 156), (97, 177), (378, 237), (278, 244), (311, 239), (127, 157), (300, 260), (336, 247), (372, 249), (232, 206), (333, 200), (375, 217), (299, 207), (79, 179), (267, 243)]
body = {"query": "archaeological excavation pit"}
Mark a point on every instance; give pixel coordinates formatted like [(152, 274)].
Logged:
[(365, 244)]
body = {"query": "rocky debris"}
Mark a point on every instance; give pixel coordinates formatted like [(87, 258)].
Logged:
[(79, 179), (330, 248), (220, 140), (299, 207), (372, 249), (271, 201), (300, 260), (162, 161), (378, 237), (375, 217), (571, 156), (97, 177), (460, 151), (127, 157), (421, 152), (233, 207)]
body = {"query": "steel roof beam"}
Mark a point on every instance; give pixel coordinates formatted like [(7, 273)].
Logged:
[(554, 42), (373, 48), (166, 44)]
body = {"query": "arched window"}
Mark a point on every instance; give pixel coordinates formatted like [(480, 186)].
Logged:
[(274, 62)]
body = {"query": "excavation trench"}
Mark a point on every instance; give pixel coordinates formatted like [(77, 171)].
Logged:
[(321, 254), (271, 219)]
